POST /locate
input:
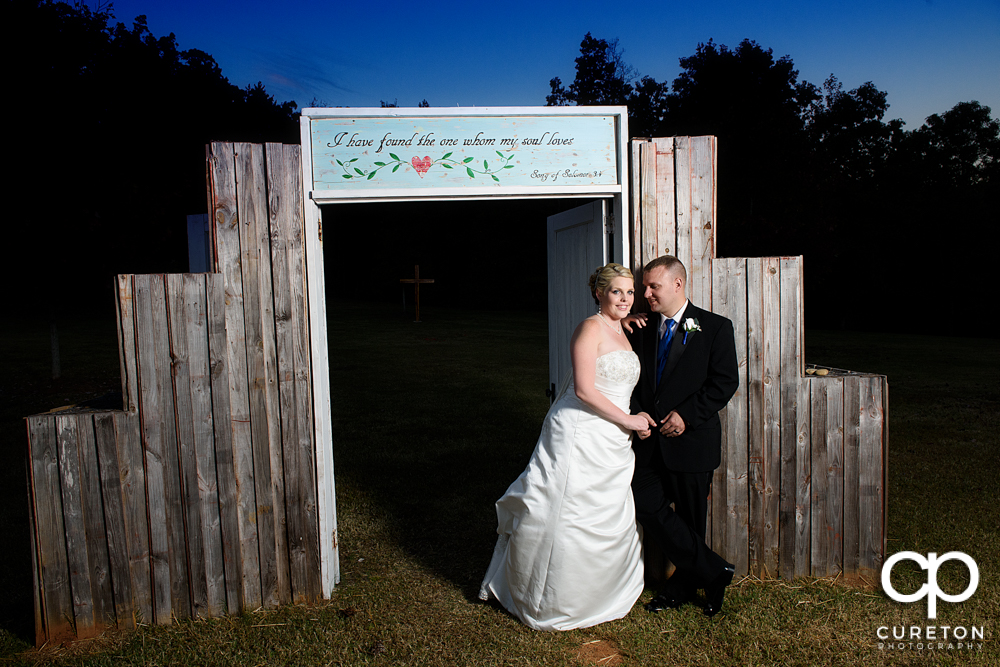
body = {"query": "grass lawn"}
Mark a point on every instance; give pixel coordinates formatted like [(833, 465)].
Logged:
[(432, 421)]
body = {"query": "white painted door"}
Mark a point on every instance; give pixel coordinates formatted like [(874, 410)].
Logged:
[(577, 247)]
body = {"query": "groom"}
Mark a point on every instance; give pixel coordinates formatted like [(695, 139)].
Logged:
[(689, 373)]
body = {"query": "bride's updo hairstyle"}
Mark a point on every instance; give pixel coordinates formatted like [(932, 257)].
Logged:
[(602, 277)]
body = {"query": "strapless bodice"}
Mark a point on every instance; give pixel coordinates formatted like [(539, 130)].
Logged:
[(619, 367), (615, 376)]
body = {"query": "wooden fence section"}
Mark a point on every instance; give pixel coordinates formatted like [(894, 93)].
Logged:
[(801, 487), (200, 498), (137, 494), (91, 559), (256, 204)]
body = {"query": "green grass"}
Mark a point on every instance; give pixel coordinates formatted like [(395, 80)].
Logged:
[(434, 420)]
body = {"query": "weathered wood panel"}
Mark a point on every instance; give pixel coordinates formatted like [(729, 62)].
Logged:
[(819, 545), (35, 569), (827, 482), (754, 383), (637, 171), (733, 534), (726, 305), (291, 333), (871, 484), (106, 441), (663, 240), (184, 425), (49, 531), (125, 309), (635, 210), (802, 482), (771, 414), (852, 438), (227, 223), (68, 439), (132, 476), (202, 486), (683, 247), (834, 520), (258, 307), (152, 436), (98, 565), (222, 432), (279, 187), (701, 182), (176, 536), (790, 352)]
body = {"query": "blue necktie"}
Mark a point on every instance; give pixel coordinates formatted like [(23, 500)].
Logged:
[(663, 349)]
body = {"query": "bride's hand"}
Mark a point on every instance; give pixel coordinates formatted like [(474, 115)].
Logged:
[(639, 319), (640, 422)]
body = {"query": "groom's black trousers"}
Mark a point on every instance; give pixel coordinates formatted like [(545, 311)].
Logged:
[(680, 534)]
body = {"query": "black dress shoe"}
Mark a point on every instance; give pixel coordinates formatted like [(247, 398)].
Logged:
[(716, 591), (666, 600)]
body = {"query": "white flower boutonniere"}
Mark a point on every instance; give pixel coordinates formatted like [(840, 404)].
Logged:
[(690, 325)]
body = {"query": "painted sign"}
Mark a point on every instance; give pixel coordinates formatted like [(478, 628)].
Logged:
[(356, 154)]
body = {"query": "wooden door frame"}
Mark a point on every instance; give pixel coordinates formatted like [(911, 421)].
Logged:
[(315, 279)]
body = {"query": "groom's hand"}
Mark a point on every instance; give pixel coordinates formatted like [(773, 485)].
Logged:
[(639, 319), (672, 425)]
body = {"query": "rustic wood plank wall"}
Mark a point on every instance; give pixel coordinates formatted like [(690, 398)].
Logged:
[(256, 199), (284, 186), (200, 498), (730, 498), (801, 487), (85, 579)]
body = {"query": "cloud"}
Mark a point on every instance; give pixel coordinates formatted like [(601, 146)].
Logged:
[(289, 70)]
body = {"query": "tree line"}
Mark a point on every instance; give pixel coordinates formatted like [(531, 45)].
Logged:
[(111, 120), (891, 222)]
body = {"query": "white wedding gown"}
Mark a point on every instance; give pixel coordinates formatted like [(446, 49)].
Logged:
[(569, 553)]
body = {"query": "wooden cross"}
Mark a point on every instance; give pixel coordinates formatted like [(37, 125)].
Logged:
[(416, 280)]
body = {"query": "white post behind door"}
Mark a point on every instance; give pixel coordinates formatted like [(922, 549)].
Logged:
[(577, 246)]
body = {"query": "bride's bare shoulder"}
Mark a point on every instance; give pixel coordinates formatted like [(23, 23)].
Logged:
[(588, 328)]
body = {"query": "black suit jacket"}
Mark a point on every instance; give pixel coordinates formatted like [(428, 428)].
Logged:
[(699, 379)]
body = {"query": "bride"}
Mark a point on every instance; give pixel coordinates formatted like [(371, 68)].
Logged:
[(569, 551)]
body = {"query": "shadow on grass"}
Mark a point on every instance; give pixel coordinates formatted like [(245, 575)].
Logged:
[(432, 422)]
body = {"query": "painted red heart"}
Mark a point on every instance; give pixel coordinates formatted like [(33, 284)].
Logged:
[(422, 165)]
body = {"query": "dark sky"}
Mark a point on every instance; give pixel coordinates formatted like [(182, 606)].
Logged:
[(927, 54)]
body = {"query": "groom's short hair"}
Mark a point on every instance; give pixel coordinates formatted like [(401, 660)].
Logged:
[(668, 262)]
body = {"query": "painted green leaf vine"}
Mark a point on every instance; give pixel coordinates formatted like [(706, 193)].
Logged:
[(423, 165)]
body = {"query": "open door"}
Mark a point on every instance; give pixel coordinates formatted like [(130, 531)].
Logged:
[(577, 245)]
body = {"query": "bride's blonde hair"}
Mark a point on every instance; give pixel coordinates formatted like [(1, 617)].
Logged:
[(602, 277)]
